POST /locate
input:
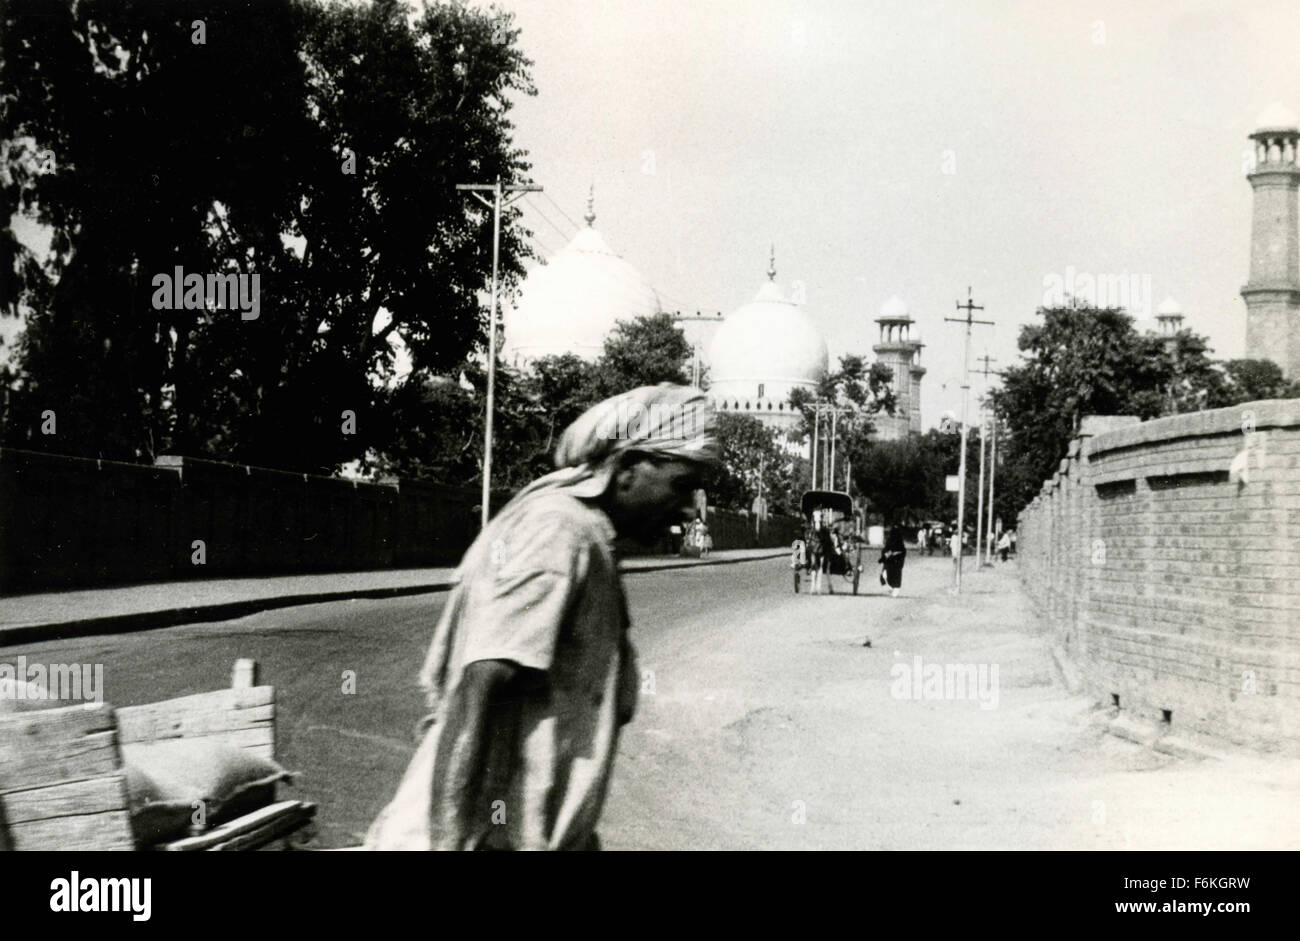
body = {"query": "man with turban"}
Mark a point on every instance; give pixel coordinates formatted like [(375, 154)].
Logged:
[(530, 674)]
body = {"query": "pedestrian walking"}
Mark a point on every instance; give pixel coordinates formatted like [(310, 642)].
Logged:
[(895, 552), (1004, 544), (531, 673)]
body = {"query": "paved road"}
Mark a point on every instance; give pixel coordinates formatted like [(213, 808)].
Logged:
[(765, 722)]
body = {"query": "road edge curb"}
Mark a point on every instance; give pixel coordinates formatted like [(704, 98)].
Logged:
[(228, 610)]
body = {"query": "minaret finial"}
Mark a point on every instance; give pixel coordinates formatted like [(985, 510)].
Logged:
[(771, 264), (591, 206)]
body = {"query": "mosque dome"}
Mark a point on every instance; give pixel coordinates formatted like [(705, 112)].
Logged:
[(570, 304), (770, 340), (894, 309), (1169, 307), (1276, 117)]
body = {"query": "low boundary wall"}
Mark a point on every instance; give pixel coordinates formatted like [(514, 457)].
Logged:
[(68, 522), (1165, 556)]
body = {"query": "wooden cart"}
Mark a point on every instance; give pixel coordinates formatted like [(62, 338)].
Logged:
[(63, 785)]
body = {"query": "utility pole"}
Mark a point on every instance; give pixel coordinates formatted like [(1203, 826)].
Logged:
[(993, 469), (827, 478), (695, 345), (497, 190), (817, 421), (993, 444), (979, 498), (969, 307), (835, 413), (992, 459)]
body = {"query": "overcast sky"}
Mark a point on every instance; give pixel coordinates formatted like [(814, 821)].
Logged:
[(909, 147), (1108, 137)]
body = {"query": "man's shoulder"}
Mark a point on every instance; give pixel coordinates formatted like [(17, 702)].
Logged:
[(565, 514)]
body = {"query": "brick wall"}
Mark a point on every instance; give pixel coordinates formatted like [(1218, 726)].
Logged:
[(1171, 580)]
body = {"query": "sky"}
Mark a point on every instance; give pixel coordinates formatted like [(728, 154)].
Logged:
[(915, 148), (910, 147)]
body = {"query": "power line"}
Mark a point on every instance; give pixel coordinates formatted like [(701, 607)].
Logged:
[(560, 209)]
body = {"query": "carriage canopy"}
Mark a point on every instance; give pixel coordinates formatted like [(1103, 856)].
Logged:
[(835, 500)]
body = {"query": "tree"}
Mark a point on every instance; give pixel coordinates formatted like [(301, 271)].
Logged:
[(1089, 361), (642, 352), (318, 151), (749, 450), (861, 391), (1250, 380)]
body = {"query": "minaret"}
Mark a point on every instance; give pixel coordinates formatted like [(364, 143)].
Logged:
[(1169, 320), (898, 350), (1272, 294)]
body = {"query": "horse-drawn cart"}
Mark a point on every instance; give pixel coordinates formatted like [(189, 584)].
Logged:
[(829, 511)]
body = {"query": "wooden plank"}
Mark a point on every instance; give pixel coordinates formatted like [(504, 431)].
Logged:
[(249, 831), (93, 796), (105, 831), (244, 676), (225, 715), (67, 744), (158, 725)]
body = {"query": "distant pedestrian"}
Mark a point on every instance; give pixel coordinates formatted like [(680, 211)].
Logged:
[(1013, 542), (531, 674), (895, 552), (1004, 544)]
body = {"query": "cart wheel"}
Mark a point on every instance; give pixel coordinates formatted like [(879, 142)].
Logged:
[(796, 581)]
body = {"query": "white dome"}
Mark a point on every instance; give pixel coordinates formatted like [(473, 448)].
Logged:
[(1169, 306), (1276, 117), (771, 341), (894, 309), (571, 304)]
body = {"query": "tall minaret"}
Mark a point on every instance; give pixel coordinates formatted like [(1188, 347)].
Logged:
[(898, 349), (1272, 294)]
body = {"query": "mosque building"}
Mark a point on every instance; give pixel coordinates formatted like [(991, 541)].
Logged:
[(758, 354), (571, 303), (762, 352), (900, 349)]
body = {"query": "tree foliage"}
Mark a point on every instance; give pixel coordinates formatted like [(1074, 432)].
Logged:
[(642, 352), (750, 451), (319, 150), (1085, 361)]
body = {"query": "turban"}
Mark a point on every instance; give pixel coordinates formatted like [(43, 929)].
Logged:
[(668, 420)]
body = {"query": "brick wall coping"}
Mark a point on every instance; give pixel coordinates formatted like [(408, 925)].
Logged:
[(1269, 413)]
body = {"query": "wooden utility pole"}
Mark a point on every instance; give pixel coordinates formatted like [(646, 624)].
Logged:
[(495, 204), (993, 445), (969, 307)]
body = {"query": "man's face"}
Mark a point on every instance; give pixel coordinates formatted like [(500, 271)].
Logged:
[(652, 493)]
